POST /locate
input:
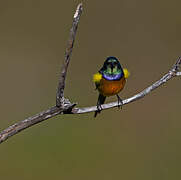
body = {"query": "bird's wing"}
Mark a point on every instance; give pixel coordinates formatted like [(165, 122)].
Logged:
[(97, 78)]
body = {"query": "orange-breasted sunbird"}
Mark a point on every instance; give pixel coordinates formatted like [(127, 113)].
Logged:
[(109, 81)]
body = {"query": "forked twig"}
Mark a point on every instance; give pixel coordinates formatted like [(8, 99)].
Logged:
[(68, 53), (64, 106)]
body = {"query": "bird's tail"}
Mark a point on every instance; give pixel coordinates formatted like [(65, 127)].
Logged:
[(100, 101)]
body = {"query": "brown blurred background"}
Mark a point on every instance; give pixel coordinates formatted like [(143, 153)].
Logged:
[(141, 141)]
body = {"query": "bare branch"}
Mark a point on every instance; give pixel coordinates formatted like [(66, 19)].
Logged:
[(69, 108), (14, 129), (172, 73), (64, 106), (178, 73), (51, 112), (68, 52)]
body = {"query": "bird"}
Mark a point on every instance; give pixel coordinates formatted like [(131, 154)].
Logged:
[(109, 81)]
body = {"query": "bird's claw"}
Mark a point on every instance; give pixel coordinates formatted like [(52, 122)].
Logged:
[(99, 108), (120, 102)]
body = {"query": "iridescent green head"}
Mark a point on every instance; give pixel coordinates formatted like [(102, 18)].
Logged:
[(112, 69)]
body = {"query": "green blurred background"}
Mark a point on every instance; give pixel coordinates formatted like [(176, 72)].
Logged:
[(141, 141)]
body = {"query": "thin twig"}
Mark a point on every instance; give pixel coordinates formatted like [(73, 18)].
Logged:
[(68, 107), (17, 127), (172, 73), (68, 52), (53, 111)]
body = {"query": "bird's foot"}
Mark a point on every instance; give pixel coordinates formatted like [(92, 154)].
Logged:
[(99, 108), (120, 102)]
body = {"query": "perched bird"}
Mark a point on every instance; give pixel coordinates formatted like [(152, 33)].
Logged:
[(109, 81)]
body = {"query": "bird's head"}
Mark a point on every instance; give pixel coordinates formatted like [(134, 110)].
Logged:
[(112, 69)]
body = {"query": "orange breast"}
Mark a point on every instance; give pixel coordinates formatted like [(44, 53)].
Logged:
[(109, 88)]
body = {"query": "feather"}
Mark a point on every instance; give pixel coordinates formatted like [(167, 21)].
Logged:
[(97, 78), (126, 73)]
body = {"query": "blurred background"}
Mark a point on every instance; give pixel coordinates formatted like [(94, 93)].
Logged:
[(141, 141)]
